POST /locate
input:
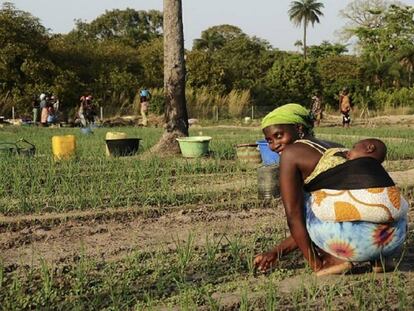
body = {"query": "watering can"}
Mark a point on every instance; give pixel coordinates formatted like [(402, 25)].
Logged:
[(21, 147)]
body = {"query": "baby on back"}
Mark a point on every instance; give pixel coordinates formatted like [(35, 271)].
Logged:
[(371, 147), (356, 177)]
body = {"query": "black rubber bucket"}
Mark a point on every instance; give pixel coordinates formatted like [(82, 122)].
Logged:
[(123, 147)]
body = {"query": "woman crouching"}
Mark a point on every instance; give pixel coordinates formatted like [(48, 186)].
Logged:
[(329, 247)]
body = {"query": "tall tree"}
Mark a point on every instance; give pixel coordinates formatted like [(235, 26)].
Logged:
[(305, 12), (128, 26), (176, 117), (23, 56), (298, 44), (216, 37), (363, 13)]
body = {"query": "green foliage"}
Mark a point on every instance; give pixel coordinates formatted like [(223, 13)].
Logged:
[(337, 72), (326, 49), (381, 43), (109, 70), (23, 56), (216, 37), (127, 26), (99, 58), (121, 51), (151, 56), (232, 60), (292, 79), (392, 99), (157, 101)]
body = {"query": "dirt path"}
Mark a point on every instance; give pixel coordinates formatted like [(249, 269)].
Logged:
[(112, 238), (403, 178)]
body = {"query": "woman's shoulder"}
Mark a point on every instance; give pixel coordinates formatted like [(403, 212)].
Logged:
[(301, 148), (324, 144)]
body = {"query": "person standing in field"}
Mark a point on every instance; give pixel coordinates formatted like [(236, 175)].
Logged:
[(145, 97), (317, 109), (345, 107), (35, 110), (44, 99)]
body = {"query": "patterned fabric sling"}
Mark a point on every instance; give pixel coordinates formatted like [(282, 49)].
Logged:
[(353, 209)]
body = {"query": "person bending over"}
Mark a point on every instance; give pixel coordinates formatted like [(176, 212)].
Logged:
[(328, 246)]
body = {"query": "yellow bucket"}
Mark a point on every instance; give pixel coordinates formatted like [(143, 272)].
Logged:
[(63, 147), (114, 135)]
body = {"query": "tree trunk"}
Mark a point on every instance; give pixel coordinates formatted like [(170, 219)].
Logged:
[(305, 23), (176, 117)]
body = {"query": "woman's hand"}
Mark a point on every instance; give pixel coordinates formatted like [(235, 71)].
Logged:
[(265, 261)]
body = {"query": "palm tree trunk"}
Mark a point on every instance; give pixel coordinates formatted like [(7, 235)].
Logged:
[(176, 117), (305, 23)]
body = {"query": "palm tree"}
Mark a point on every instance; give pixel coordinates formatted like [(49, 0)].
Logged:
[(305, 11), (298, 44)]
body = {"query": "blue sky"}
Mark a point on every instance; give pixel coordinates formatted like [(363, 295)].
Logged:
[(267, 19)]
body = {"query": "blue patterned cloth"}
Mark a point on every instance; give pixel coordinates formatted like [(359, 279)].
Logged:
[(357, 240)]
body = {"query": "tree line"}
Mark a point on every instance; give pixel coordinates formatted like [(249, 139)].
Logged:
[(122, 50)]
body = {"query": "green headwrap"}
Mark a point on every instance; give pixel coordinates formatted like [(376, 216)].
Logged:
[(288, 114)]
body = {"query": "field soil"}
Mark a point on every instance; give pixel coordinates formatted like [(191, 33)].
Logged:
[(115, 237), (110, 235), (113, 234)]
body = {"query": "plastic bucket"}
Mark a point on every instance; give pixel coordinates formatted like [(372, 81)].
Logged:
[(268, 181), (194, 146), (113, 135), (63, 147), (269, 157), (248, 153), (123, 147)]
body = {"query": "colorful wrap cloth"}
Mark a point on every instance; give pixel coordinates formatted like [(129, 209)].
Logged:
[(356, 240), (355, 212), (377, 200), (377, 205)]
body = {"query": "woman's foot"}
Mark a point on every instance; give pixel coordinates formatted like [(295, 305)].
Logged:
[(333, 265), (382, 265), (341, 268)]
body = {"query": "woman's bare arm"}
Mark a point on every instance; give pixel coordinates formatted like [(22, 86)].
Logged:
[(291, 184)]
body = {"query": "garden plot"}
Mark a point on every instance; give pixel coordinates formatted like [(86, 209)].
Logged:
[(164, 233)]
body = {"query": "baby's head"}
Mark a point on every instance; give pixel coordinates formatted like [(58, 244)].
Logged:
[(370, 147)]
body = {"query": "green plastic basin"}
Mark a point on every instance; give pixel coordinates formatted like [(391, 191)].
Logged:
[(194, 146)]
